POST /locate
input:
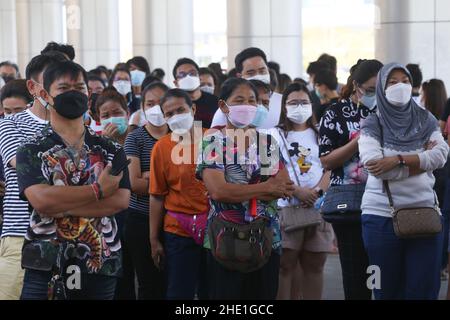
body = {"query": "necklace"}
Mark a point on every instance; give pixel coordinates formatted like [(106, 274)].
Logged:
[(75, 145)]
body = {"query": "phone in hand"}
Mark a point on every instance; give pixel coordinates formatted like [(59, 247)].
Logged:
[(118, 170)]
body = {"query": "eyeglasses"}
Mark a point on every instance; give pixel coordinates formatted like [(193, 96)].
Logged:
[(367, 92), (182, 74)]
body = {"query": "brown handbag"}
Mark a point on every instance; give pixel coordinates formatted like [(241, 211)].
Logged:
[(295, 217), (412, 223)]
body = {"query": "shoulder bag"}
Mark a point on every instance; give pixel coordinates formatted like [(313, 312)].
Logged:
[(294, 217)]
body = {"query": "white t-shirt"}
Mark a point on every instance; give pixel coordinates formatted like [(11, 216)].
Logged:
[(272, 119), (304, 151)]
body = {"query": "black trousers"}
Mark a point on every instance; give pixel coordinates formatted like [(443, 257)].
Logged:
[(232, 285), (151, 281), (354, 261)]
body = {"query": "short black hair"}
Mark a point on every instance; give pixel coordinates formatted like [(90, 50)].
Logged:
[(10, 64), (330, 60), (60, 69), (207, 71), (274, 66), (148, 80), (301, 81), (120, 67), (259, 85), (151, 86), (316, 66), (158, 73), (39, 63), (141, 63), (247, 54), (416, 74), (182, 61), (16, 89), (66, 49), (92, 77), (232, 73), (176, 93), (98, 72), (232, 84), (328, 78)]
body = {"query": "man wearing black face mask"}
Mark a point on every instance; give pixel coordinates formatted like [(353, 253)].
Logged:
[(67, 173)]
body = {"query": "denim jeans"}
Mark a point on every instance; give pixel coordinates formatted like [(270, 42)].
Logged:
[(186, 268), (410, 268), (93, 287)]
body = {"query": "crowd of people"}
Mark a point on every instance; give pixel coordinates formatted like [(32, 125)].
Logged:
[(229, 185)]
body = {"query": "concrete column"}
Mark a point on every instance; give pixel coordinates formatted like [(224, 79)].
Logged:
[(163, 32), (93, 28), (415, 31), (8, 40), (38, 22), (273, 26)]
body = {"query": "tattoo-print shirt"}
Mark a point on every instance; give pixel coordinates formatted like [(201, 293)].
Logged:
[(257, 164), (91, 243), (340, 124)]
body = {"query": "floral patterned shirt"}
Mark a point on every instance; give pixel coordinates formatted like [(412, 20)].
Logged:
[(91, 243), (257, 164), (339, 125)]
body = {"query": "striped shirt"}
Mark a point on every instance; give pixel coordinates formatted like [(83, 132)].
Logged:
[(139, 144), (14, 130)]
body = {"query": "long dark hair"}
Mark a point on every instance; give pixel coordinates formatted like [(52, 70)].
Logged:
[(435, 96), (285, 124), (361, 72)]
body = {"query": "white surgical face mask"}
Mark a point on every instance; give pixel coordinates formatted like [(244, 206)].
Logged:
[(43, 103), (261, 77), (299, 114), (189, 83), (122, 86), (181, 123), (155, 116), (399, 94), (2, 82), (207, 89)]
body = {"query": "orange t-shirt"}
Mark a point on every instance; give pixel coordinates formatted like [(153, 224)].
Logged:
[(177, 182)]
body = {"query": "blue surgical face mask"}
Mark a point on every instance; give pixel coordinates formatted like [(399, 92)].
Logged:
[(260, 117), (120, 122), (369, 101), (319, 95)]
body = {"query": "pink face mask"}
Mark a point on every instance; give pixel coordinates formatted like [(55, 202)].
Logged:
[(241, 116)]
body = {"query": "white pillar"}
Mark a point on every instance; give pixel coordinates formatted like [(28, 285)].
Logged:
[(8, 40), (93, 29), (271, 25), (415, 31), (163, 32), (38, 22)]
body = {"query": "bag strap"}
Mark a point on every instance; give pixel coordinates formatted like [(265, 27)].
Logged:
[(386, 182), (290, 159)]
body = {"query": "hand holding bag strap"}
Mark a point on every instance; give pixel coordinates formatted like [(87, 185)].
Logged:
[(290, 159)]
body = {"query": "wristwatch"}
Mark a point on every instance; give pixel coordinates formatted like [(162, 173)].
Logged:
[(401, 161)]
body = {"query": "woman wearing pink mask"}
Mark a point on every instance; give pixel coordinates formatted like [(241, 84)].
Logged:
[(245, 175)]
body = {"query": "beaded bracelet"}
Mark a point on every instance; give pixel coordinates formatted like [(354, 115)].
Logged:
[(97, 190)]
